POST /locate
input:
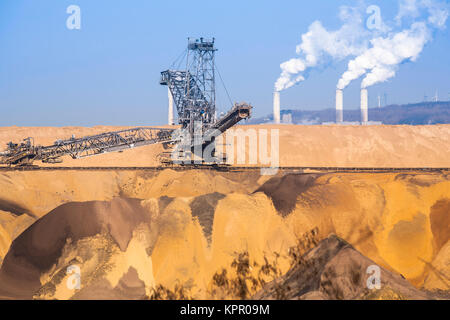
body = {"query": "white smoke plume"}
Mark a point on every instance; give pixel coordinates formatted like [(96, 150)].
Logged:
[(437, 10), (383, 58), (319, 44), (380, 62)]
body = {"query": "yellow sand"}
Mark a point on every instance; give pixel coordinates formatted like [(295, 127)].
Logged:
[(395, 234), (331, 146), (388, 220), (98, 258), (5, 242), (386, 217), (41, 191), (438, 275), (10, 227)]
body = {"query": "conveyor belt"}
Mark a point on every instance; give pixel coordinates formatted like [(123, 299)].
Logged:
[(228, 169)]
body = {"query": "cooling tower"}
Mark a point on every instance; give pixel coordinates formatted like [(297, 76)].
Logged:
[(170, 120), (276, 107), (364, 106), (339, 106)]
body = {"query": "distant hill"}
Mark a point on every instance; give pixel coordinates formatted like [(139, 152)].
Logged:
[(408, 114)]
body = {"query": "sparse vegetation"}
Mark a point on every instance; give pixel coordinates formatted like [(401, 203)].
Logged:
[(180, 292), (304, 243), (247, 276)]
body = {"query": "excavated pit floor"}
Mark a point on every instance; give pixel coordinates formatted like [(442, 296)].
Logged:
[(131, 230)]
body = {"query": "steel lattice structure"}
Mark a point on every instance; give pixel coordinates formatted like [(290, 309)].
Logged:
[(194, 89), (194, 94), (27, 152)]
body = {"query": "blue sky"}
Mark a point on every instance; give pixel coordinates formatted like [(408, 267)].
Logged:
[(107, 73)]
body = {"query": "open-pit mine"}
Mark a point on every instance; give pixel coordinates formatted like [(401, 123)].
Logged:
[(121, 226)]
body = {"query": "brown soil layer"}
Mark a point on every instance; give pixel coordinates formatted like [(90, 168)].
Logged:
[(39, 247)]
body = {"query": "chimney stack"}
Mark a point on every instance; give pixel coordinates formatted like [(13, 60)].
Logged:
[(364, 106), (170, 120), (339, 106), (276, 107)]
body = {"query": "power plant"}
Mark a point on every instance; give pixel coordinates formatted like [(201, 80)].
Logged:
[(339, 106), (364, 106), (276, 107)]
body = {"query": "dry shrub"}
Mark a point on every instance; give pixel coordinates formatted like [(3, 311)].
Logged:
[(180, 292), (247, 277), (250, 277), (304, 244), (240, 286)]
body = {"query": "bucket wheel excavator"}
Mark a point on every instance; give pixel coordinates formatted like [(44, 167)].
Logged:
[(194, 94)]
